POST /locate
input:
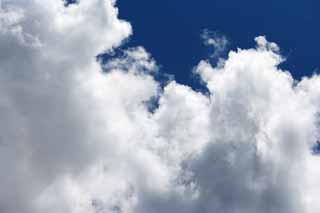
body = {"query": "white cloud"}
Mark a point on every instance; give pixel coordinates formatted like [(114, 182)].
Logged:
[(75, 139), (215, 40)]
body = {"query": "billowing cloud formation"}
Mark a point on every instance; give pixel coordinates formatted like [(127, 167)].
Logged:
[(76, 139)]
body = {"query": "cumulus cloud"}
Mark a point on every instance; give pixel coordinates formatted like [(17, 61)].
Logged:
[(77, 134)]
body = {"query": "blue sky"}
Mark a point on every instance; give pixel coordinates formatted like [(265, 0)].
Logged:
[(170, 30)]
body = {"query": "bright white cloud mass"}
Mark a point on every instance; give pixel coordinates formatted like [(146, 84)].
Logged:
[(74, 139)]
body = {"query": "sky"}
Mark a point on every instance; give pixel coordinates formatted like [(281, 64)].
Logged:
[(291, 24), (123, 107)]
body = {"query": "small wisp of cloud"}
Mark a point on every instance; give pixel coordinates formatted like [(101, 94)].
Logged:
[(216, 41)]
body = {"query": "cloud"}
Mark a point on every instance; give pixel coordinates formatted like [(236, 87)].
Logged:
[(218, 42), (76, 139)]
